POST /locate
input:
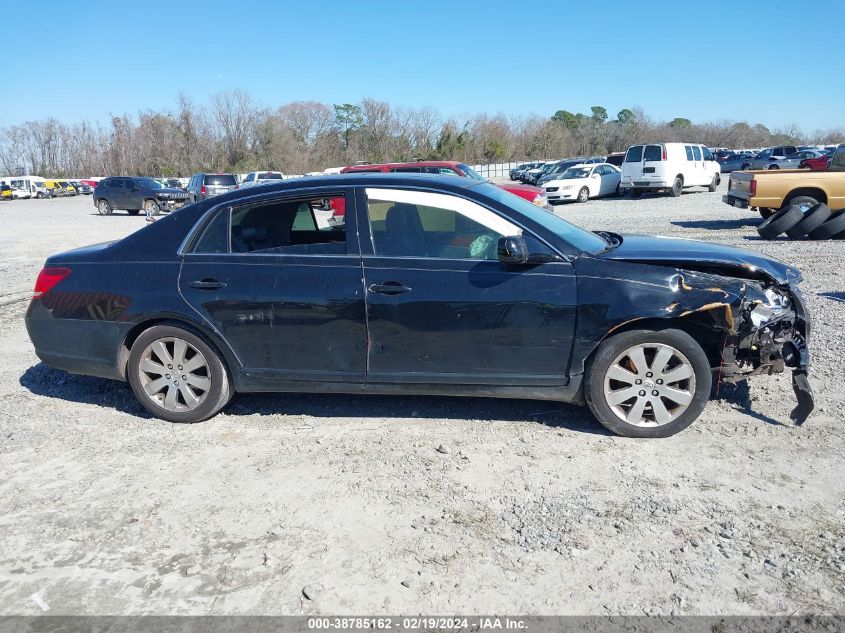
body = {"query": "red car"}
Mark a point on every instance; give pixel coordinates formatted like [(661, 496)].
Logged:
[(820, 163), (532, 194)]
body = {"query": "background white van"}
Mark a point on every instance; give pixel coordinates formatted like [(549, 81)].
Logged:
[(26, 186), (669, 167)]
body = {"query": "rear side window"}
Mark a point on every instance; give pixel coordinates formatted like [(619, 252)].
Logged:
[(634, 154), (696, 152), (689, 152), (407, 170), (226, 180), (288, 227), (652, 153), (116, 183), (270, 175)]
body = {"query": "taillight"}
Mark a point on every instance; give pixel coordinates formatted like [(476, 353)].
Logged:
[(664, 152), (202, 189), (47, 278), (237, 186), (752, 187)]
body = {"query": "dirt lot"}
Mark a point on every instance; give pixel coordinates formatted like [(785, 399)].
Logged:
[(531, 508)]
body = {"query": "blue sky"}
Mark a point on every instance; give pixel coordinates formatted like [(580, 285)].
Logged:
[(699, 60)]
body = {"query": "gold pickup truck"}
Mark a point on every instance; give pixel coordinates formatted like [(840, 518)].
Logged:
[(771, 190)]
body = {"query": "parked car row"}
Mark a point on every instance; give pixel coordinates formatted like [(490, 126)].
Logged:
[(24, 187), (781, 157)]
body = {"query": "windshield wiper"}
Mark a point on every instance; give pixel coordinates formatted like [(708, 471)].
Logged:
[(613, 240)]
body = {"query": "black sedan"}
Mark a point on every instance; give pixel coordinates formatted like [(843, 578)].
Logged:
[(422, 285)]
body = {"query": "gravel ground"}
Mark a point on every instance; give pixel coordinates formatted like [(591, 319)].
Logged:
[(528, 507)]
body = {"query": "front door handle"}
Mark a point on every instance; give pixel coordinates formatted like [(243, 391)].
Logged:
[(207, 284), (390, 288)]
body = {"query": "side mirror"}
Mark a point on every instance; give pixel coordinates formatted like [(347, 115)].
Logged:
[(518, 249), (513, 250)]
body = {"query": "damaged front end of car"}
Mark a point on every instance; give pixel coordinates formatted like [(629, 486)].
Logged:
[(770, 333)]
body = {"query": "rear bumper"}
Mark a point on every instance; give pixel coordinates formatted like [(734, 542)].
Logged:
[(88, 347), (735, 201)]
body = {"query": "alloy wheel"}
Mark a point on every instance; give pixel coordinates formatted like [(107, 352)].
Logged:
[(649, 385), (174, 374)]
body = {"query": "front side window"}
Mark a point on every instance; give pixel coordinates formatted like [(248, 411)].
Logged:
[(249, 177), (696, 152), (707, 154), (433, 225), (296, 227), (116, 183)]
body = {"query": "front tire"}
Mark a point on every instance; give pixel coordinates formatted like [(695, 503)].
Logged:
[(645, 383), (636, 193), (771, 167), (151, 207), (176, 375), (583, 195), (133, 211)]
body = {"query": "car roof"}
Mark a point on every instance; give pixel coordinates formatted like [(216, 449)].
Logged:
[(420, 163)]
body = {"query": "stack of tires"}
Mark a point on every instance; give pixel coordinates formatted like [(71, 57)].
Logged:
[(804, 219)]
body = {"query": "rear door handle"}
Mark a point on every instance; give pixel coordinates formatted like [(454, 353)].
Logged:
[(207, 284), (390, 288)]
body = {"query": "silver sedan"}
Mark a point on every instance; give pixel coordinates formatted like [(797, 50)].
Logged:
[(793, 161)]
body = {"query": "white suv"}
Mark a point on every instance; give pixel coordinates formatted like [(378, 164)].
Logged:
[(261, 178), (668, 167)]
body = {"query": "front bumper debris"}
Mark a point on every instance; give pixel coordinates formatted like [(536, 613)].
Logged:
[(771, 334)]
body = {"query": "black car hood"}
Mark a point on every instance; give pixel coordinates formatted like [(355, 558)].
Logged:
[(702, 256)]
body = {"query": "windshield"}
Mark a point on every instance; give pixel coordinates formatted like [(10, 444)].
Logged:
[(576, 172), (149, 183), (470, 172), (579, 238)]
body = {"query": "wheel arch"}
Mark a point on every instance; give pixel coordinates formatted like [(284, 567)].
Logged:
[(814, 192), (699, 325), (227, 356)]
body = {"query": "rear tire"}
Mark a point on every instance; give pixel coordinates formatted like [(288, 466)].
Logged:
[(630, 362), (781, 221), (168, 392), (771, 167), (765, 212), (677, 187), (104, 207), (713, 184), (636, 193)]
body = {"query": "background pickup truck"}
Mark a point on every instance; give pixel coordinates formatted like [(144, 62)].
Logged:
[(772, 190)]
